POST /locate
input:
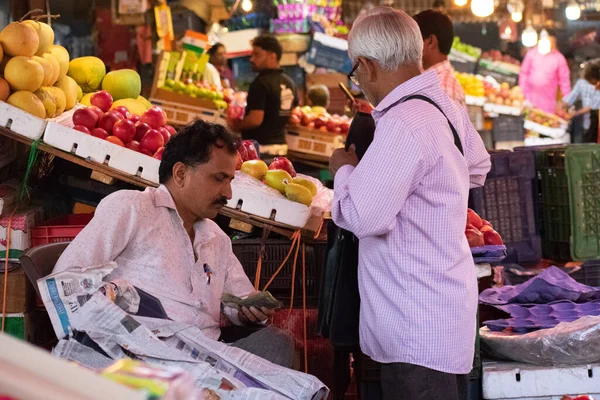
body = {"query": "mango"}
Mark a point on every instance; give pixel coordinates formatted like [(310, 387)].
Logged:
[(85, 100), (307, 184), (88, 72), (134, 106), (144, 101), (278, 179), (123, 84), (255, 168), (298, 193)]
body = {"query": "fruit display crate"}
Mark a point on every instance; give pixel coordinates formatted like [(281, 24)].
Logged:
[(182, 114), (500, 109), (554, 133), (275, 250), (570, 190), (59, 229), (508, 128), (506, 201), (475, 101), (542, 141), (313, 141), (101, 151), (26, 124)]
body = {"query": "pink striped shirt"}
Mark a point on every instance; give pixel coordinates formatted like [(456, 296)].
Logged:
[(407, 203)]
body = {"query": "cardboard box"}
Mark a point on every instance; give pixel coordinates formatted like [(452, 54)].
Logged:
[(21, 224), (331, 80), (20, 293)]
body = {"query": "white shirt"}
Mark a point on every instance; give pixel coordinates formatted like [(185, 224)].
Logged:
[(212, 76)]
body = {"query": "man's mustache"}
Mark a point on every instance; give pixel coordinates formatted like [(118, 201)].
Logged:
[(222, 201)]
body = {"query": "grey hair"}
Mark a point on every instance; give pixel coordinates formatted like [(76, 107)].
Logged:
[(390, 37)]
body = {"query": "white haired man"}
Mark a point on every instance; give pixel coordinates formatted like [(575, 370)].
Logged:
[(406, 201)]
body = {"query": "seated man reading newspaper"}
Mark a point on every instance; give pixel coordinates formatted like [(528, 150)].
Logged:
[(165, 243)]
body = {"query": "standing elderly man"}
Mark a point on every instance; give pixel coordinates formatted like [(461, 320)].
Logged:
[(407, 203)]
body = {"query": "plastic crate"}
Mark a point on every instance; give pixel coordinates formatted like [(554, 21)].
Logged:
[(508, 128), (59, 229), (589, 274), (247, 251), (296, 73), (329, 52), (506, 201)]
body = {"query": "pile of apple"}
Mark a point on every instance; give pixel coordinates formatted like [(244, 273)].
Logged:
[(480, 232), (318, 118), (540, 117), (279, 175), (504, 95), (147, 133), (496, 55)]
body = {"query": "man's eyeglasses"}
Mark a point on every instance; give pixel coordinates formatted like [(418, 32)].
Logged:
[(351, 74)]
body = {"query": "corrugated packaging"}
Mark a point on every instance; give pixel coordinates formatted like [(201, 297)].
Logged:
[(20, 294), (21, 224)]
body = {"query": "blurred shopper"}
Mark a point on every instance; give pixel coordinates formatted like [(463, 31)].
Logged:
[(218, 58), (406, 202)]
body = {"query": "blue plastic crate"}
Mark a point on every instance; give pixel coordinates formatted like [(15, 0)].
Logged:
[(297, 74), (329, 52), (506, 201)]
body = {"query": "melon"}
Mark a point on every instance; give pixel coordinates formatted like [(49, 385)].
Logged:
[(24, 73), (88, 72), (123, 84), (27, 102), (19, 39)]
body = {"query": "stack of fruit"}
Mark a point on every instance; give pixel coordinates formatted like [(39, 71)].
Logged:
[(146, 132), (504, 95), (464, 48), (471, 85), (318, 118), (279, 175), (542, 118), (480, 232), (497, 56), (201, 90), (34, 70)]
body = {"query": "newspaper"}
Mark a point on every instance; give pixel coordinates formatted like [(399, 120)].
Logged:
[(63, 293), (72, 350)]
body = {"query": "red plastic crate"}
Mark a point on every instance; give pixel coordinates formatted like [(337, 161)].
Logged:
[(59, 229)]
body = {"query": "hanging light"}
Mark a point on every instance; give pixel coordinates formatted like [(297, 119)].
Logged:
[(515, 8), (460, 3), (482, 8), (573, 11), (529, 37), (516, 16), (544, 45), (246, 5)]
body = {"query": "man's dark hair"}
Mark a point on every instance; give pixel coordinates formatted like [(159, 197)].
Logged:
[(192, 146), (433, 22), (213, 50), (318, 95), (269, 43), (591, 71)]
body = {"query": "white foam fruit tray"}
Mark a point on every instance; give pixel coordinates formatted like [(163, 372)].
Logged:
[(502, 109), (545, 130), (101, 151), (21, 122), (518, 381), (475, 101), (268, 205)]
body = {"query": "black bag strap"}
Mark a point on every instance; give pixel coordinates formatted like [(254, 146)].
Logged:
[(457, 142)]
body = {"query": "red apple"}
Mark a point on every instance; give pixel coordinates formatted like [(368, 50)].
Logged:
[(133, 145), (85, 117), (99, 133), (307, 119), (295, 120), (492, 237), (248, 151), (159, 153), (82, 128), (108, 120), (124, 130), (235, 112), (171, 129), (134, 118), (284, 164), (118, 114), (165, 133), (474, 237), (344, 127), (97, 110), (102, 100), (321, 120), (146, 152), (332, 125), (155, 117), (115, 140), (152, 141), (123, 110), (311, 125), (474, 219), (140, 130)]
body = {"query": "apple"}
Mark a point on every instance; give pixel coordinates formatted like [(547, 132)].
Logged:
[(123, 110), (102, 99), (99, 133), (97, 110), (307, 119), (321, 120), (146, 152), (125, 130), (133, 145), (491, 237), (170, 129), (108, 120), (140, 130), (235, 112), (118, 114), (311, 125), (474, 237), (332, 124), (337, 130), (82, 128), (165, 133), (152, 141), (284, 164), (248, 151), (344, 127), (155, 117), (474, 219), (295, 119), (159, 153), (134, 118), (115, 140), (85, 117)]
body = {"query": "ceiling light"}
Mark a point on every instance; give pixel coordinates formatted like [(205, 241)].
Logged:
[(573, 11), (482, 8), (529, 37), (516, 16)]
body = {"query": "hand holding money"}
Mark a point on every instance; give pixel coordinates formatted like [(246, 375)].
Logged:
[(258, 300)]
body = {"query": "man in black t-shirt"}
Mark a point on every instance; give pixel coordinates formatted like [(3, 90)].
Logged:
[(271, 98)]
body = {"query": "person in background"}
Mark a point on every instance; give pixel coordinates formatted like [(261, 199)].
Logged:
[(406, 202), (587, 89), (542, 74), (165, 243), (317, 96), (218, 58), (271, 98), (212, 77), (438, 33)]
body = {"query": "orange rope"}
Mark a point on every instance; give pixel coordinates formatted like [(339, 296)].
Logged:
[(304, 306), (7, 254), (295, 238), (294, 278)]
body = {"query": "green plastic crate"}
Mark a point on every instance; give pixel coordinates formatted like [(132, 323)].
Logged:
[(570, 183), (15, 325)]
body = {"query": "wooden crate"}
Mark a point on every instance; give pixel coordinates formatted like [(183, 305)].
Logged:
[(312, 141)]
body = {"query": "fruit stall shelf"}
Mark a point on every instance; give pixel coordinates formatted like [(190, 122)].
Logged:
[(312, 228)]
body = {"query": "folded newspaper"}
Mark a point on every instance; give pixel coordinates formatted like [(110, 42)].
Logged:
[(78, 300), (258, 300)]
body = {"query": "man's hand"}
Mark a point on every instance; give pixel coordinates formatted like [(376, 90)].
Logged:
[(252, 315), (341, 157)]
